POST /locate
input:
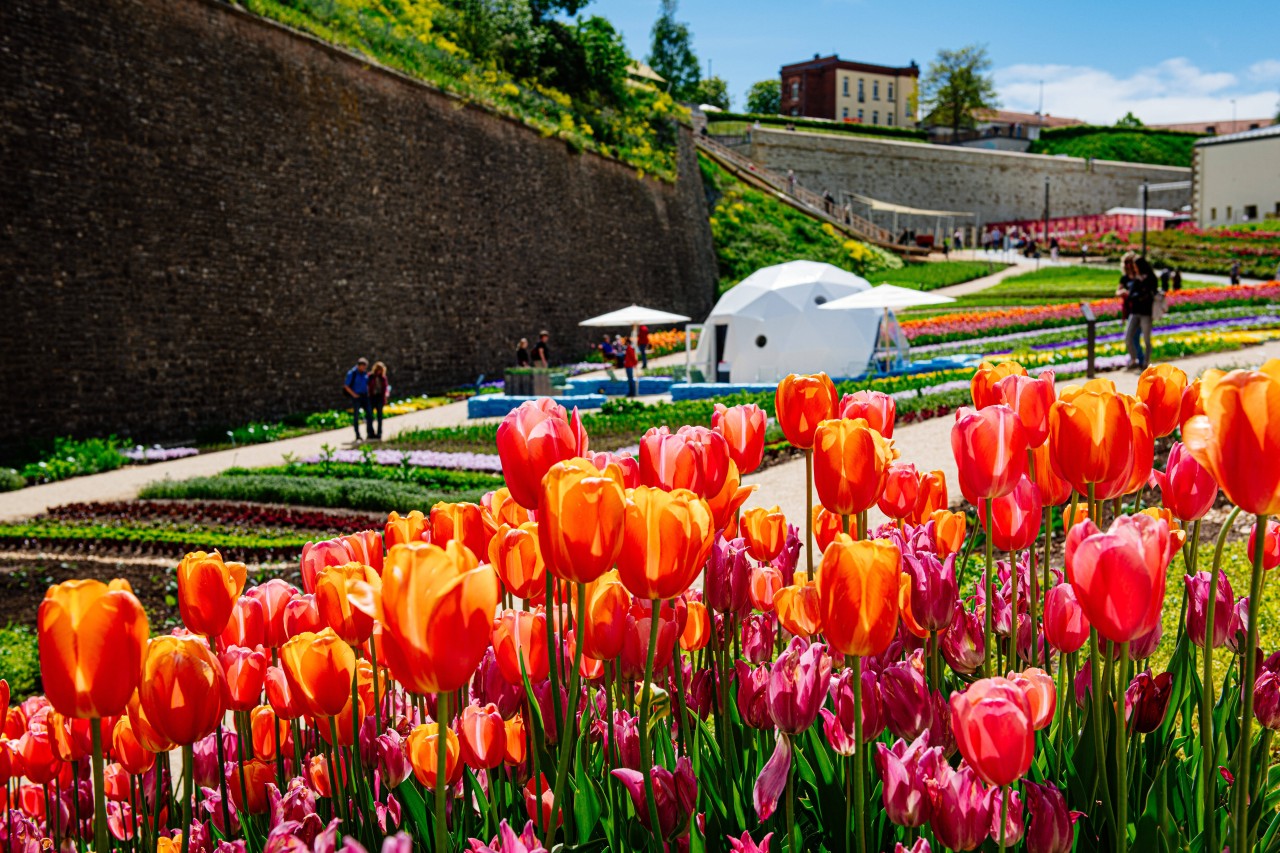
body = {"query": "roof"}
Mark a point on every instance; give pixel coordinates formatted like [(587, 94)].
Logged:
[(1012, 117), (639, 69), (876, 204), (817, 62), (1246, 136), (1217, 127)]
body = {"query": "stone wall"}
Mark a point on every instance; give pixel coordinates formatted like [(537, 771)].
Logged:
[(206, 218), (996, 185)]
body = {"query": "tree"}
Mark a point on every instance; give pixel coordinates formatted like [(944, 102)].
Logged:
[(714, 91), (765, 97), (1130, 120), (671, 54), (955, 85)]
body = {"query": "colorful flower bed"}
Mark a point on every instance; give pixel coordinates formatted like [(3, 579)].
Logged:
[(414, 458)]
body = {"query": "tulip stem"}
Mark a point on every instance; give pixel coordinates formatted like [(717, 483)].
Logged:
[(989, 601), (808, 508), (377, 704), (1245, 745), (1004, 814), (859, 759), (646, 757), (1122, 757), (222, 775), (1044, 589), (791, 806), (1208, 744), (334, 756), (99, 792), (1099, 733), (188, 794), (553, 649), (567, 732), (442, 771)]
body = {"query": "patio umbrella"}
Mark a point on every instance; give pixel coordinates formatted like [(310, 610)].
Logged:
[(635, 315), (887, 296)]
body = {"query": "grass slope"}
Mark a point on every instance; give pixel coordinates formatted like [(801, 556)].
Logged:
[(1172, 149), (931, 276)]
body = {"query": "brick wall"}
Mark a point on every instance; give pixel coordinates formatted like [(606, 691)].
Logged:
[(206, 218)]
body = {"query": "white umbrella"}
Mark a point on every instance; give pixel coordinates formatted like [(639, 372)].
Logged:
[(635, 315), (887, 296)]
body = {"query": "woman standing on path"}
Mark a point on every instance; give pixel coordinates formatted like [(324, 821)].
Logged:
[(629, 362), (1142, 297), (379, 393)]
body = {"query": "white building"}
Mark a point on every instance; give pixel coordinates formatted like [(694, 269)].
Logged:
[(1237, 177)]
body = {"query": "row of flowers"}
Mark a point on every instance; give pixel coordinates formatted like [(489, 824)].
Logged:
[(156, 453), (459, 461)]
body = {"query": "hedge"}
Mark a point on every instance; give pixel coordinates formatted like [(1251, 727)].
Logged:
[(820, 124), (351, 493)]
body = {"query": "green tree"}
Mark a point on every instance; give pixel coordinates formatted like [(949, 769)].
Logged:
[(765, 97), (956, 84), (671, 54), (714, 91), (1129, 120)]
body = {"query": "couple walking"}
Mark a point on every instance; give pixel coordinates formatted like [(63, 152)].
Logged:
[(368, 391)]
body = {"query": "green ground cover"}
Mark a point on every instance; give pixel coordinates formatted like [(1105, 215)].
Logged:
[(19, 660), (374, 494), (1038, 287), (735, 126), (431, 479), (1129, 145), (931, 276)]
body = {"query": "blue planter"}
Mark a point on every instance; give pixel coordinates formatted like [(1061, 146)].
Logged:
[(646, 385), (497, 405)]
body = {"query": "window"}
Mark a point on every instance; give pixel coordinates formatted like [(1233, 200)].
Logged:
[(1211, 130), (862, 92), (1250, 212), (890, 91), (1213, 214), (875, 90), (795, 89), (859, 115), (875, 117), (909, 112), (844, 112), (1278, 210), (889, 119), (1229, 211), (845, 82)]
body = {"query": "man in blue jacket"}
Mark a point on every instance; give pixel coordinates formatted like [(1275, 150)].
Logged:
[(356, 387)]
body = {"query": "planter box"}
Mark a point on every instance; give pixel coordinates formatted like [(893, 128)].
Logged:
[(646, 386), (531, 382), (497, 405)]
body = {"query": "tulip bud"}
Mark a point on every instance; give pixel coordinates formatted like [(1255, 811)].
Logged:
[(907, 707), (727, 576), (1239, 625), (753, 695), (1146, 700), (934, 589), (1050, 826), (961, 807), (963, 641), (1198, 606)]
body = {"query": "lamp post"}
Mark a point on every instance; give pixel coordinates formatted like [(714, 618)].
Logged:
[(1145, 191), (1046, 213)]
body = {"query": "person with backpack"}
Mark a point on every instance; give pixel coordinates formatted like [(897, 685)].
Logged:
[(356, 387)]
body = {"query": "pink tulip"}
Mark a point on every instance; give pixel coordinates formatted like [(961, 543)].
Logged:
[(961, 807), (743, 427), (798, 684), (533, 438), (753, 695), (1187, 489), (728, 576), (934, 589), (1015, 517), (1065, 625), (1239, 624), (907, 707), (921, 846), (1270, 544), (786, 561), (962, 643), (772, 780), (839, 725), (320, 555), (1051, 828), (506, 841), (877, 408), (992, 722), (757, 636), (1014, 827), (675, 794), (1266, 700), (1198, 608), (746, 845), (906, 772), (1119, 576)]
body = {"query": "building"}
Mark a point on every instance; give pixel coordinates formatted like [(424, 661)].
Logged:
[(1217, 128), (1236, 178), (833, 88), (1001, 130)]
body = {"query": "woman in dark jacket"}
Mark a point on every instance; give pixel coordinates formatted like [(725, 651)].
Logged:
[(379, 391), (1142, 297)]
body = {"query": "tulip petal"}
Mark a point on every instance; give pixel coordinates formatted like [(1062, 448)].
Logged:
[(772, 780)]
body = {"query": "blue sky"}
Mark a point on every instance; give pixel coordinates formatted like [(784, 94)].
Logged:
[(1187, 63)]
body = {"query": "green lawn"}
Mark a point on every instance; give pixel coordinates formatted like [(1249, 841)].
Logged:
[(931, 276), (1051, 284)]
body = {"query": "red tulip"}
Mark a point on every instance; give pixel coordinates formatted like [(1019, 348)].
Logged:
[(247, 624), (803, 402), (1065, 625), (992, 723), (1270, 544), (605, 622), (1187, 489), (982, 387), (301, 616), (1015, 517), (1119, 576), (318, 555), (531, 439), (877, 408), (483, 736), (901, 490), (743, 428), (521, 637), (245, 671), (1031, 399), (273, 596), (990, 449)]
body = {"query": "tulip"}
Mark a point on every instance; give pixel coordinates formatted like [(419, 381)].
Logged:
[(1266, 700), (963, 642), (930, 497), (438, 606), (319, 669), (347, 598), (840, 727), (266, 730), (850, 465), (961, 808), (990, 449), (1042, 696), (1270, 544), (1198, 605), (692, 458), (906, 772), (1031, 399), (992, 721), (605, 620), (697, 627), (901, 490), (1014, 826), (520, 642), (799, 607), (247, 625), (1160, 387), (317, 555), (858, 588), (765, 532), (408, 528), (245, 670), (514, 752), (302, 615), (1146, 700), (826, 525), (207, 591), (726, 505), (877, 408), (1054, 490), (635, 645), (1015, 517), (745, 844), (790, 556), (921, 845), (802, 402), (91, 637), (1143, 444), (715, 459), (280, 696), (1187, 489), (1119, 576), (181, 689), (907, 708), (1050, 827), (1091, 443), (483, 736), (1065, 625), (531, 439), (128, 750), (797, 685), (506, 511), (254, 776), (421, 749), (934, 589), (765, 583), (949, 531), (273, 595), (674, 793), (983, 386), (758, 631), (753, 695), (467, 523), (621, 467), (743, 428), (667, 539), (506, 841), (516, 556), (725, 584)]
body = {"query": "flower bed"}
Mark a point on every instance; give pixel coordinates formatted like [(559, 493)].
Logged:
[(144, 455), (414, 458), (242, 515)]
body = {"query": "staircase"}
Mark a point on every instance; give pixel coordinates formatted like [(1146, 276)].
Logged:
[(807, 201)]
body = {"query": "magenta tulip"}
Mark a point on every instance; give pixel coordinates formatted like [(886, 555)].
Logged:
[(797, 685), (962, 643), (961, 807), (753, 695), (906, 771), (934, 589), (675, 795), (1146, 700), (839, 725), (1187, 489), (1014, 826), (1198, 608), (907, 707), (1050, 827), (728, 576)]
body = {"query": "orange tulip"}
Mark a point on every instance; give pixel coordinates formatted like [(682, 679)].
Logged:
[(516, 747), (343, 722), (901, 490), (520, 637), (503, 509), (366, 548), (1031, 399), (1091, 442), (182, 688), (318, 773), (931, 497), (1144, 447), (1069, 521), (668, 537), (207, 591), (605, 622), (143, 731), (516, 557), (877, 408), (1160, 386), (697, 627), (580, 521), (319, 669), (132, 755), (337, 587), (826, 524), (948, 531), (765, 531), (262, 721), (904, 607), (421, 747), (467, 523), (405, 528), (1053, 489), (244, 671), (802, 402), (743, 428), (255, 775), (990, 449), (531, 439), (725, 505), (799, 606), (850, 464), (1177, 535), (982, 387), (247, 625), (1192, 404), (438, 607), (483, 736), (763, 586), (91, 637), (858, 587), (1238, 437)]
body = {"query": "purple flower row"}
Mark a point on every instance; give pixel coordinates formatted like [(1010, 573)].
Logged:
[(1221, 323), (157, 454), (416, 459)]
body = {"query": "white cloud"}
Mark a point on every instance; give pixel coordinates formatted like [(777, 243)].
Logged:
[(1172, 91)]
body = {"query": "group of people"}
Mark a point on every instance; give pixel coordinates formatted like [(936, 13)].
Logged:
[(540, 356), (1141, 295), (367, 391), (621, 352)]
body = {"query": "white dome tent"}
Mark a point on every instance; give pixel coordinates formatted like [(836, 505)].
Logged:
[(770, 324)]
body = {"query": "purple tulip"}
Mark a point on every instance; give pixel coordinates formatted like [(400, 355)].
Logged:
[(1146, 644), (745, 844), (921, 846), (934, 589), (786, 561), (753, 695), (798, 684), (1084, 683), (296, 803), (907, 709), (1266, 700), (961, 807), (757, 636), (1024, 641), (392, 760), (941, 733), (962, 643), (506, 841), (728, 576), (1050, 826), (701, 698), (1198, 608), (675, 794), (839, 726), (920, 539), (1013, 823), (213, 805), (1146, 701), (772, 779), (489, 685), (205, 754), (906, 772)]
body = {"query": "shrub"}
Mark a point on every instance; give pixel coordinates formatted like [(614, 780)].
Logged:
[(11, 480), (433, 479), (20, 661), (73, 458), (352, 493)]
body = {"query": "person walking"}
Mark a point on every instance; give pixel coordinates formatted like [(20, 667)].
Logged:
[(791, 182), (379, 394), (1142, 289), (629, 363), (1128, 272), (522, 353), (1235, 272), (356, 386), (606, 349), (643, 340), (542, 350)]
